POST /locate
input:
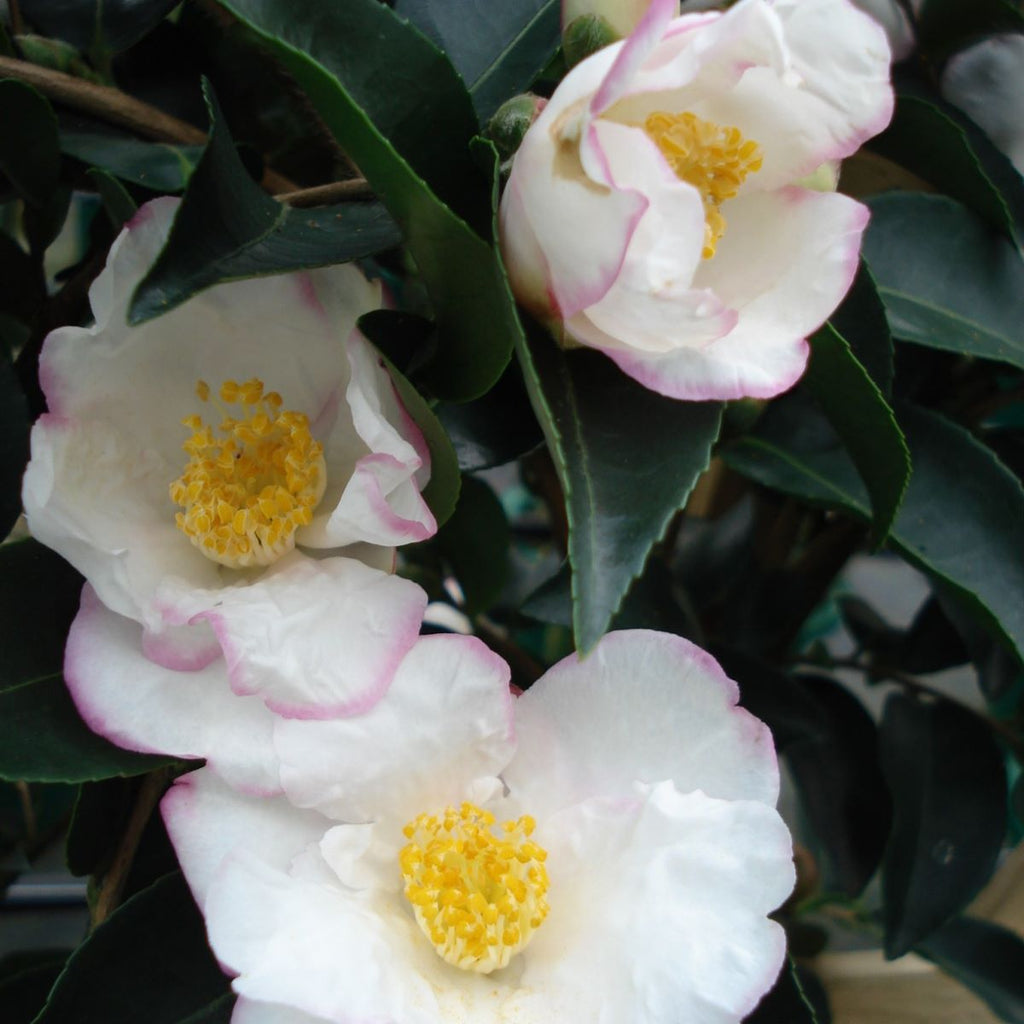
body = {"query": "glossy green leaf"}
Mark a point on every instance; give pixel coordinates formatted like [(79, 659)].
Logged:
[(96, 25), (159, 166), (23, 992), (35, 614), (413, 145), (627, 459), (29, 151), (119, 205), (150, 957), (43, 223), (475, 543), (986, 958), (43, 739), (494, 429), (14, 430), (498, 49), (862, 418), (948, 281), (955, 480), (830, 745), (860, 319), (948, 785), (55, 54), (940, 144), (22, 286), (227, 228)]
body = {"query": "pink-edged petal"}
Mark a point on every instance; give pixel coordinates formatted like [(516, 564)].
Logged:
[(313, 638), (136, 704), (636, 49), (207, 821), (585, 728), (827, 101), (379, 500), (445, 722), (658, 911), (569, 214)]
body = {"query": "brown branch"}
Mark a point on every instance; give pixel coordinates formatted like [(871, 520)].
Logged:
[(323, 195), (119, 108), (109, 896), (17, 22)]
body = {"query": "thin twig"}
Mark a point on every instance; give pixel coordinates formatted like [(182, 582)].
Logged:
[(28, 813), (109, 896), (17, 22), (323, 195), (119, 108)]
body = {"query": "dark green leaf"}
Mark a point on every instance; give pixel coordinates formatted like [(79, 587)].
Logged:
[(42, 224), (407, 339), (499, 49), (862, 418), (948, 785), (947, 280), (29, 150), (475, 542), (96, 25), (627, 459), (227, 227), (43, 739), (100, 814), (861, 321), (159, 166), (37, 603), (14, 429), (56, 54), (117, 202), (217, 1012), (785, 1002), (23, 993), (830, 745), (412, 144), (988, 959), (940, 144), (494, 429), (943, 23), (955, 479), (150, 955), (22, 286)]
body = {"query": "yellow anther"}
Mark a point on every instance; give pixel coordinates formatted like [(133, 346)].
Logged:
[(715, 159), (474, 894), (246, 491)]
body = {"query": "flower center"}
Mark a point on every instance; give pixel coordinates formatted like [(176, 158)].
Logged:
[(478, 897), (713, 158), (246, 490)]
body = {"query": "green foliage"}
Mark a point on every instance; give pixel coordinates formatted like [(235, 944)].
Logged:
[(622, 481), (29, 151), (159, 166), (14, 426), (948, 785)]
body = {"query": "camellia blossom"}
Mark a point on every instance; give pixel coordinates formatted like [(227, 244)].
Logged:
[(604, 848), (190, 466), (651, 211)]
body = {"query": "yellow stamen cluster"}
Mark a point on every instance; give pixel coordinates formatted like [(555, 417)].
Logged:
[(246, 490), (713, 158), (478, 897)]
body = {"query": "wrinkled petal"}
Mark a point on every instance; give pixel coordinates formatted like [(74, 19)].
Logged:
[(893, 18), (96, 489), (665, 900), (578, 727), (249, 1012), (448, 707), (313, 638), (207, 821), (136, 704)]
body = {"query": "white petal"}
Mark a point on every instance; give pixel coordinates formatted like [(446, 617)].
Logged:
[(249, 1012), (378, 461), (445, 722), (587, 727), (659, 911), (313, 638), (891, 16), (136, 704), (207, 821)]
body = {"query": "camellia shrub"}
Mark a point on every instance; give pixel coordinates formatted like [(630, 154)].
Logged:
[(511, 512)]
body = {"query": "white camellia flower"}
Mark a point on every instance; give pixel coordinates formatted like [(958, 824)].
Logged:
[(198, 468), (651, 211), (605, 848)]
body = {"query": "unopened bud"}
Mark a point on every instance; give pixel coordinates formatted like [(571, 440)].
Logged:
[(585, 36), (511, 121)]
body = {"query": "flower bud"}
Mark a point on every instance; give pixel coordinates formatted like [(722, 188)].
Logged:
[(584, 36), (511, 121), (619, 16)]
